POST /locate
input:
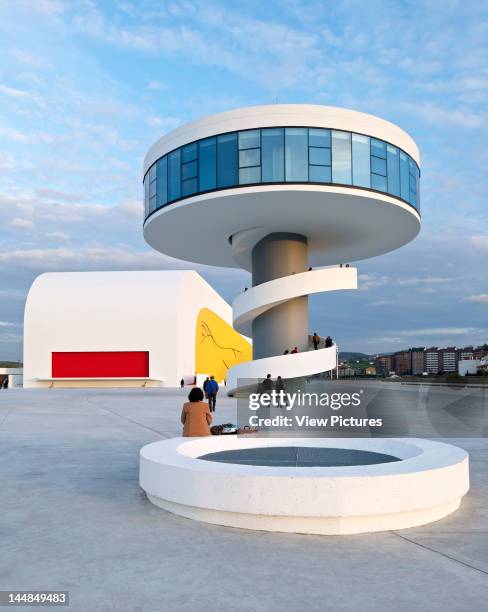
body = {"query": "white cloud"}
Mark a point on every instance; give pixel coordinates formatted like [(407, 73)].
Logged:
[(19, 223), (21, 94), (428, 280), (63, 196), (269, 51), (445, 116), (58, 236), (9, 338), (48, 7), (441, 331), (371, 281), (13, 134), (390, 340), (29, 59), (382, 303), (131, 208), (163, 123), (15, 93), (481, 298), (155, 85), (480, 242), (97, 257)]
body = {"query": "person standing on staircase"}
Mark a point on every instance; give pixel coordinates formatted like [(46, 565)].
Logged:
[(315, 340)]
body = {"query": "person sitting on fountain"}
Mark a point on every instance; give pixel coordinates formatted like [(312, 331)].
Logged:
[(195, 416)]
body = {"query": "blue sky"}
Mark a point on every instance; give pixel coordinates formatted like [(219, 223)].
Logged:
[(86, 86)]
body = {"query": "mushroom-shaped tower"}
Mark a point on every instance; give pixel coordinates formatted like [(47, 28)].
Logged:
[(279, 190)]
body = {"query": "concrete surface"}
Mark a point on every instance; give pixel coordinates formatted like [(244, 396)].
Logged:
[(73, 518)]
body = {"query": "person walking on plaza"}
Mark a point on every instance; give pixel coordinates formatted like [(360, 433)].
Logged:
[(195, 416), (213, 389), (315, 340), (182, 383), (206, 389)]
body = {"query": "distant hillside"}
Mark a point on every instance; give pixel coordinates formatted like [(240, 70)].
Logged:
[(346, 356), (10, 364)]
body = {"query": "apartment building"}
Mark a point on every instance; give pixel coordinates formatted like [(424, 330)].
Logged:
[(448, 359), (384, 364), (403, 363), (431, 360), (417, 360)]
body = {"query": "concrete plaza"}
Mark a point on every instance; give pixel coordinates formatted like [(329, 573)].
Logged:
[(73, 518)]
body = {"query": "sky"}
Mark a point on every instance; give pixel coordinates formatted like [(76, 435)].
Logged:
[(87, 86)]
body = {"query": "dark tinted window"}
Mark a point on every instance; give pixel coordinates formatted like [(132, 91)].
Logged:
[(174, 175), (320, 157), (320, 174), (378, 148), (378, 182), (189, 170), (188, 187), (227, 160), (189, 152), (404, 177), (162, 181), (207, 164), (378, 166), (393, 170)]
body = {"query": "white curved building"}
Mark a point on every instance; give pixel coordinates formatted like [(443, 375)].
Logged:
[(149, 328), (276, 190)]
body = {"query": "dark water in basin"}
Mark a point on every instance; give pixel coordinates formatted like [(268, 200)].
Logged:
[(299, 456)]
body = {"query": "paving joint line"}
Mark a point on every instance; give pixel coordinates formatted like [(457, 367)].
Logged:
[(129, 420), (9, 410), (438, 552)]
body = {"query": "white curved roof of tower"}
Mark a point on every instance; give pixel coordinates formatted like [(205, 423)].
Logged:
[(280, 115)]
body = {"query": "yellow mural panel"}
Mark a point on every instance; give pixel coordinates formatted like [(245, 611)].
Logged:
[(218, 346)]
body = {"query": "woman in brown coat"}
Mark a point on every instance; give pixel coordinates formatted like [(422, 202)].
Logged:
[(195, 416)]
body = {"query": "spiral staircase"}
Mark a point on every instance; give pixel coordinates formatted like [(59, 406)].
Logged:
[(261, 298)]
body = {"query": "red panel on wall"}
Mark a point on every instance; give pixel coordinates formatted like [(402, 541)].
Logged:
[(106, 364)]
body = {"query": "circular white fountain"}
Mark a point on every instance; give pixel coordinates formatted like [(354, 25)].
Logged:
[(420, 481)]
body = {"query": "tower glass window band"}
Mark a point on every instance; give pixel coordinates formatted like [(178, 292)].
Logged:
[(281, 155)]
